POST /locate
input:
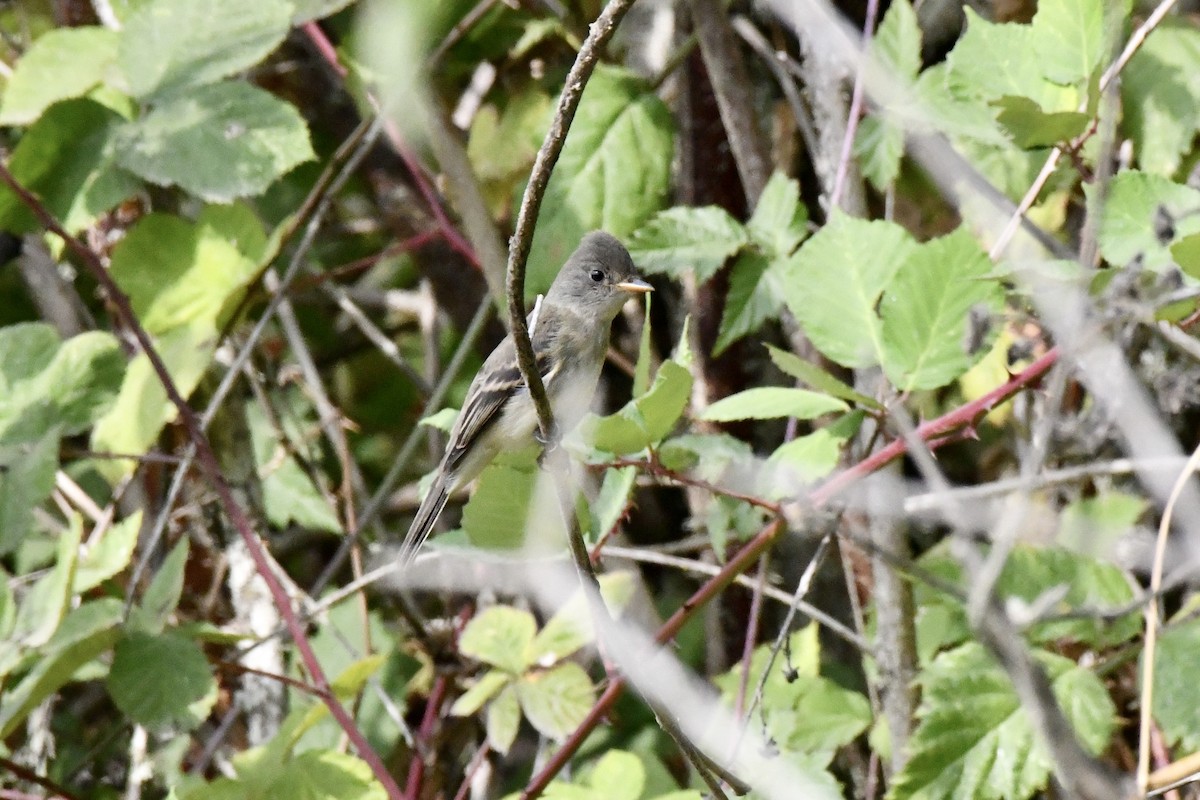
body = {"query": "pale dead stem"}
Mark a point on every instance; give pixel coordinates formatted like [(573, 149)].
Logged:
[(1160, 547)]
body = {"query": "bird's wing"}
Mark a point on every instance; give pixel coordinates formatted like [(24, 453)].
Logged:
[(497, 381)]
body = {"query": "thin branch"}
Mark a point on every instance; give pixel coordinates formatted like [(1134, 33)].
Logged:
[(1160, 549), (212, 472), (856, 104)]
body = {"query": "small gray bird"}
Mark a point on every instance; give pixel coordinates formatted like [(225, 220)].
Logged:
[(569, 332)]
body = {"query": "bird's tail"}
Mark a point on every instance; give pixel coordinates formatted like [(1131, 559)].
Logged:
[(422, 524)]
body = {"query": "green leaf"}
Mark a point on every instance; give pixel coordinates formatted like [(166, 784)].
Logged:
[(47, 384), (68, 159), (506, 511), (88, 631), (556, 701), (1160, 96), (802, 712), (177, 273), (927, 312), (571, 626), (1069, 39), (48, 602), (183, 280), (161, 679), (171, 45), (219, 142), (1186, 253), (878, 147), (26, 481), (645, 421), (992, 59), (1031, 575), (1094, 526), (110, 555), (612, 500), (323, 774), (807, 458), (503, 719), (771, 402), (613, 173), (1133, 215), (1176, 690), (442, 420), (618, 776), (61, 64), (1031, 127), (975, 741), (818, 378), (162, 595), (754, 297), (683, 238), (307, 10), (833, 283), (896, 46), (501, 636), (779, 221), (706, 455), (133, 423), (480, 692), (289, 495)]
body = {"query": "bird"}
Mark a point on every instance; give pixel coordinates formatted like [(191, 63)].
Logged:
[(569, 331)]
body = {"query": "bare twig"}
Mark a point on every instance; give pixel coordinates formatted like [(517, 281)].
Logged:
[(856, 104)]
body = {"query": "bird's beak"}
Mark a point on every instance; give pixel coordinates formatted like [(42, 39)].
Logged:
[(635, 286)]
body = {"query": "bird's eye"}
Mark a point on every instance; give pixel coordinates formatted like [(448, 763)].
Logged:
[(597, 275)]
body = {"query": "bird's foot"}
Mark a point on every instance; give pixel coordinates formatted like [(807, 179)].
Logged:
[(549, 443)]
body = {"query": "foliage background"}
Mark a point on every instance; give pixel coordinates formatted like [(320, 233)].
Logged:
[(970, 230)]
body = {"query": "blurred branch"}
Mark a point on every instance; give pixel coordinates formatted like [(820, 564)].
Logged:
[(212, 472), (852, 118)]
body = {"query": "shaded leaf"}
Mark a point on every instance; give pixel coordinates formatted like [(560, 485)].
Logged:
[(161, 679), (1032, 127), (68, 158), (818, 378), (61, 64), (503, 719), (754, 297), (219, 142), (85, 633), (169, 45), (1142, 216)]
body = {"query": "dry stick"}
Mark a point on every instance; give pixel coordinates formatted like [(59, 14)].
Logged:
[(212, 471), (963, 416), (1160, 548)]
